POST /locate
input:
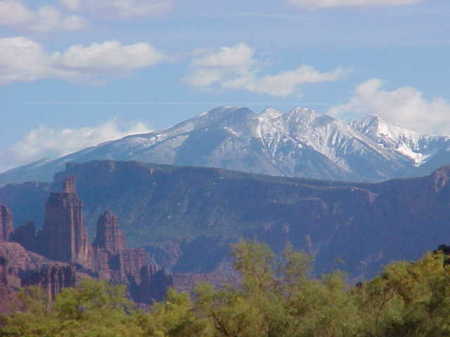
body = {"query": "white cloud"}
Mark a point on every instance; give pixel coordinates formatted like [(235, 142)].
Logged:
[(13, 13), (23, 60), (120, 8), (316, 4), (235, 67), (238, 56), (45, 142), (284, 83), (406, 107)]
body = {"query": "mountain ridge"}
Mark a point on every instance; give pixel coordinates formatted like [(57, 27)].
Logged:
[(297, 143), (178, 213)]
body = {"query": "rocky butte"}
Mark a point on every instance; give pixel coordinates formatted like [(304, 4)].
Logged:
[(60, 254)]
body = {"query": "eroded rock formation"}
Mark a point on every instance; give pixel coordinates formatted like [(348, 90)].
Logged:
[(66, 255), (6, 223), (64, 233), (20, 268), (109, 236), (112, 261), (51, 277)]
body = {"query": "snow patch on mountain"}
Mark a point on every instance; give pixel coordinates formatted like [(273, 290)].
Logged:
[(412, 145), (300, 142)]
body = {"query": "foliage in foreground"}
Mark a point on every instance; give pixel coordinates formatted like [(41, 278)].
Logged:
[(276, 298)]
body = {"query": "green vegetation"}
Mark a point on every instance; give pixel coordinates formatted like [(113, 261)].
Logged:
[(277, 297)]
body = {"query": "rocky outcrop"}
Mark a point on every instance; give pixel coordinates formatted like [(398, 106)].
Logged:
[(64, 242), (6, 223), (112, 261), (21, 268), (64, 234), (51, 277), (109, 236)]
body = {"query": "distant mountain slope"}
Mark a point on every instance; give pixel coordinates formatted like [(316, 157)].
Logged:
[(298, 143), (187, 216)]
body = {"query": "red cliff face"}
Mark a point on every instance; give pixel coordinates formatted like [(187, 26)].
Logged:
[(6, 223), (64, 233), (52, 277), (20, 268)]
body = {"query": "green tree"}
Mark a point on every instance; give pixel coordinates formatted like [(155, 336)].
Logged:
[(175, 317), (93, 309)]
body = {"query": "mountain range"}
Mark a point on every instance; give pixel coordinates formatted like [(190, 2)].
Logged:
[(298, 143), (186, 217)]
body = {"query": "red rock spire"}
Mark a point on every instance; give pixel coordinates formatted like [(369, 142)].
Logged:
[(64, 229), (109, 236), (6, 223)]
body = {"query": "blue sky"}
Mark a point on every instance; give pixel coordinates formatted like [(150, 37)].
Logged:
[(74, 73)]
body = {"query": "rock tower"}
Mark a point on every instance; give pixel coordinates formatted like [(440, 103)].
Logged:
[(6, 223), (64, 233)]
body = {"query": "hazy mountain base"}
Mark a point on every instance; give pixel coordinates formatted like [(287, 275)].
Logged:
[(188, 216), (275, 298)]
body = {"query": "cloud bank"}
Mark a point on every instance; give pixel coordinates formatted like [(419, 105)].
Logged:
[(406, 107), (24, 60), (14, 14), (237, 68), (317, 4), (45, 142)]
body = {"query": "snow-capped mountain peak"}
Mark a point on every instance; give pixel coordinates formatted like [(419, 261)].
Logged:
[(375, 126), (300, 143), (407, 143), (270, 113)]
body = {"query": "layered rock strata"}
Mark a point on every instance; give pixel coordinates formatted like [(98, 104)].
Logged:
[(52, 278), (21, 268)]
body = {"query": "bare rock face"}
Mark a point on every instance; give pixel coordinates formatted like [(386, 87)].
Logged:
[(16, 262), (6, 223), (109, 236), (51, 277), (112, 261), (20, 268), (68, 255), (64, 233)]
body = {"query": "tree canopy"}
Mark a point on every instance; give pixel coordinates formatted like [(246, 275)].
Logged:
[(276, 297)]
